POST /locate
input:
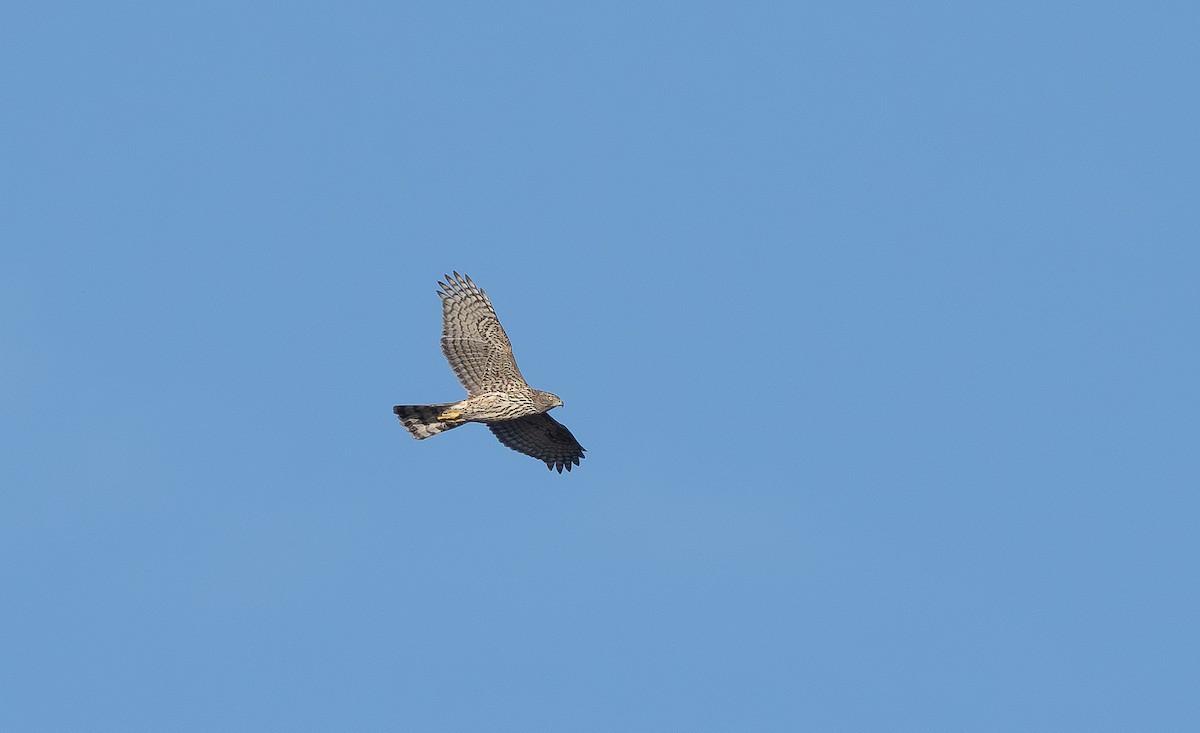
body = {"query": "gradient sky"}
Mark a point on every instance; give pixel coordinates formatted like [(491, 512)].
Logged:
[(879, 322)]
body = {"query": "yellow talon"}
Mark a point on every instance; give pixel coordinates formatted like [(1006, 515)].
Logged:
[(450, 416)]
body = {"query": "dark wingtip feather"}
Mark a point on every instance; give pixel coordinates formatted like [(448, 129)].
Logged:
[(455, 284)]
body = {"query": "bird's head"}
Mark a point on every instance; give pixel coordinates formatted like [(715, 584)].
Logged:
[(546, 400)]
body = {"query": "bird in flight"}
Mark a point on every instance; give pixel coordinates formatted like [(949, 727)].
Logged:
[(478, 350)]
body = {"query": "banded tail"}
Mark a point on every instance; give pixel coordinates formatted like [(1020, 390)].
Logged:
[(421, 420)]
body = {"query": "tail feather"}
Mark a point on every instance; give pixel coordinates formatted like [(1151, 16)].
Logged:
[(421, 420)]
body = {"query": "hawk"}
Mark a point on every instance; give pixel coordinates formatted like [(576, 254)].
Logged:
[(478, 350)]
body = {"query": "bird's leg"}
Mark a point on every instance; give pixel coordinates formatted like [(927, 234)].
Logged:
[(450, 416)]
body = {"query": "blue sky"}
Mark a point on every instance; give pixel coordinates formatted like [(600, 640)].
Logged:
[(879, 322)]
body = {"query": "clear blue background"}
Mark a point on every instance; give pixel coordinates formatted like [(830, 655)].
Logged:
[(879, 321)]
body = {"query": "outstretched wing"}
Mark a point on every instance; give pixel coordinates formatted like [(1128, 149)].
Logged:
[(473, 340), (542, 437)]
